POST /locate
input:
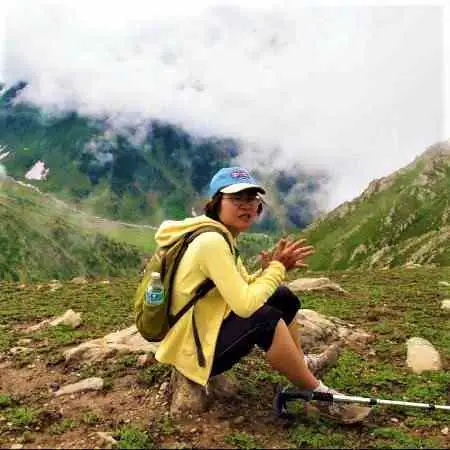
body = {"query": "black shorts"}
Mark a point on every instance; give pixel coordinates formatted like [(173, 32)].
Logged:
[(238, 336)]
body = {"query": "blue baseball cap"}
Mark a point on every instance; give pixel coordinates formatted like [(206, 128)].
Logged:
[(230, 180)]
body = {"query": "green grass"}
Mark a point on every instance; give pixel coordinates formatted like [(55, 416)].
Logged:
[(409, 221), (22, 416), (241, 439), (134, 438), (43, 239), (394, 305)]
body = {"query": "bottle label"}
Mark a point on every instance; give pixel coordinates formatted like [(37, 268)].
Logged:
[(154, 296)]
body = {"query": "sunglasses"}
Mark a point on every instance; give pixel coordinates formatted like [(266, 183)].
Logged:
[(244, 199)]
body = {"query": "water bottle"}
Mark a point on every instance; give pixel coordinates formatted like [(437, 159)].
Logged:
[(155, 290)]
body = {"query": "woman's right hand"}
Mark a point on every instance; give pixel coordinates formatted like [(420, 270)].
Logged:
[(292, 253)]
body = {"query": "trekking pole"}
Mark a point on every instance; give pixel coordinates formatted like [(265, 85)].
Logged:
[(285, 395)]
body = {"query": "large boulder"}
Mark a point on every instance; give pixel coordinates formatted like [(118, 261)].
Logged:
[(318, 331), (422, 356), (120, 342)]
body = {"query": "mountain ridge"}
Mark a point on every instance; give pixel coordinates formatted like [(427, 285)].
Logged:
[(402, 218)]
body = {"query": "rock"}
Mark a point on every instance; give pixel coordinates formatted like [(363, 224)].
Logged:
[(186, 396), (107, 438), (222, 386), (422, 356), (120, 342), (318, 331), (164, 388), (444, 283), (444, 431), (69, 318), (446, 304), (16, 446), (145, 360), (191, 398), (314, 284), (54, 285), (41, 325), (89, 384), (20, 350), (411, 265), (78, 280), (24, 342)]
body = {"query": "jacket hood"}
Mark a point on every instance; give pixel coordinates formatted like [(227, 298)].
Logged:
[(171, 230)]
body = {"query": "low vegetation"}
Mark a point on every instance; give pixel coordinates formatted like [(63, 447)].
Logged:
[(392, 304)]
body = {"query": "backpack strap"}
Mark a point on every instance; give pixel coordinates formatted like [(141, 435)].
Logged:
[(202, 289)]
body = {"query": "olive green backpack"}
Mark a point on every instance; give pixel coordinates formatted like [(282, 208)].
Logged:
[(154, 321)]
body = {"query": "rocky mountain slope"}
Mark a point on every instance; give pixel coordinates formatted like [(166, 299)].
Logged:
[(401, 219)]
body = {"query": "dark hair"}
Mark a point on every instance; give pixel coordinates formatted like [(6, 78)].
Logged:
[(212, 207)]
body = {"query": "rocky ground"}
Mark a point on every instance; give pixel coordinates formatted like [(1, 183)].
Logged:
[(378, 316)]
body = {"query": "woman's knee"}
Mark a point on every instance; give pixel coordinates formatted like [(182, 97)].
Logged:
[(285, 300)]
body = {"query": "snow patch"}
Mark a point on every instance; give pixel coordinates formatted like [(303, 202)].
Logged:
[(4, 155), (37, 172)]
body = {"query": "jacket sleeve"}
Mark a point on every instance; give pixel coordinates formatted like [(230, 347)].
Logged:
[(216, 263), (249, 278)]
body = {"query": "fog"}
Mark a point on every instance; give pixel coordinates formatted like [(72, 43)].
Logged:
[(357, 92)]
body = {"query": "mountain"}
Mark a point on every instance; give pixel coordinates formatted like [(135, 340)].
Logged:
[(142, 173), (400, 219), (42, 238)]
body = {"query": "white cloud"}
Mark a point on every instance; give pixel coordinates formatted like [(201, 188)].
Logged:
[(356, 91)]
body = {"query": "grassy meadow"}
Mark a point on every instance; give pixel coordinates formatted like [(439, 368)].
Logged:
[(392, 304)]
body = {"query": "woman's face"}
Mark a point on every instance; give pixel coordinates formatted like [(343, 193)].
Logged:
[(239, 211)]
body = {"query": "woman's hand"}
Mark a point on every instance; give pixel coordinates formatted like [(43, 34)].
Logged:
[(291, 253), (264, 257)]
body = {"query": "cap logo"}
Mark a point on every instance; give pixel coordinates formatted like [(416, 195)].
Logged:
[(241, 174)]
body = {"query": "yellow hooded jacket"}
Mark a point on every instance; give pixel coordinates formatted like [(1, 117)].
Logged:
[(209, 256)]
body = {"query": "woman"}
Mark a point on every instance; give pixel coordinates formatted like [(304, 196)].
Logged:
[(244, 310)]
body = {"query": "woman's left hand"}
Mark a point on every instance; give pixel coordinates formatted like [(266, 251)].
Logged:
[(264, 257)]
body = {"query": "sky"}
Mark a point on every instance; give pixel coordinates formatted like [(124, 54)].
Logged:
[(354, 91)]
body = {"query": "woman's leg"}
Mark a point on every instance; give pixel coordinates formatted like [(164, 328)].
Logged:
[(286, 356), (287, 302)]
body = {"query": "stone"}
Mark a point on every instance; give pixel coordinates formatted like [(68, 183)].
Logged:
[(54, 285), (78, 280), (186, 396), (318, 331), (444, 283), (125, 341), (145, 360), (223, 386), (422, 356), (107, 438), (41, 325), (446, 304), (69, 318), (20, 350), (89, 384), (314, 284)]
